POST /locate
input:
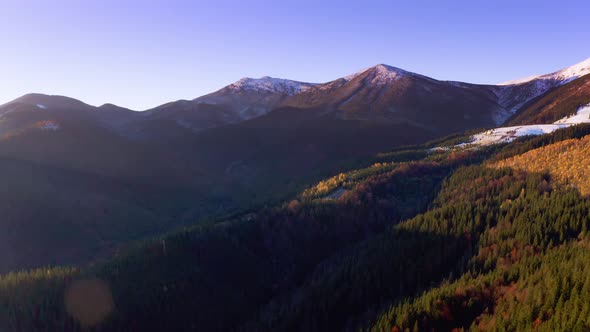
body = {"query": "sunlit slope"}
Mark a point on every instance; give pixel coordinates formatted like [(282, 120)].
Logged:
[(568, 162)]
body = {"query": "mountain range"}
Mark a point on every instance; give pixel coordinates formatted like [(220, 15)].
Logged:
[(133, 174), (380, 93)]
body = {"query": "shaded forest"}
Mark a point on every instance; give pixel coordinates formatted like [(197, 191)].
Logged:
[(418, 240)]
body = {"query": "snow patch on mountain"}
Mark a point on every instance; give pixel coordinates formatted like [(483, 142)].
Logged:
[(581, 116), (508, 134), (270, 84), (41, 106), (575, 71)]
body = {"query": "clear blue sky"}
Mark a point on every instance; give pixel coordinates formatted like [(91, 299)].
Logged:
[(140, 54)]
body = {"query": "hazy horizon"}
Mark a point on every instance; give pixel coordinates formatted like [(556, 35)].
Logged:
[(139, 55)]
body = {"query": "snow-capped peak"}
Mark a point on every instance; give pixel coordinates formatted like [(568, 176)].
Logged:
[(383, 69), (381, 73), (562, 76), (271, 84), (385, 73)]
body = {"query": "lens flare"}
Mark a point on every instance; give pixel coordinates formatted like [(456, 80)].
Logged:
[(89, 301)]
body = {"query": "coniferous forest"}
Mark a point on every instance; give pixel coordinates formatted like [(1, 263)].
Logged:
[(416, 240)]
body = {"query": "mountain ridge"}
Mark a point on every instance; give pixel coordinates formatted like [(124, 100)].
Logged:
[(383, 74)]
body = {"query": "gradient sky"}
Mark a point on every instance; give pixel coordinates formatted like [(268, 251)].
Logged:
[(140, 54)]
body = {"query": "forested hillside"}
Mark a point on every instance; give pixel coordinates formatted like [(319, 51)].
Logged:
[(81, 182), (567, 162), (419, 239)]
